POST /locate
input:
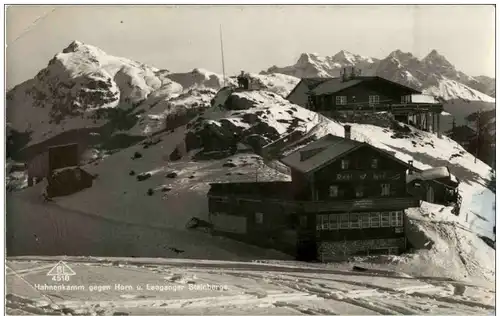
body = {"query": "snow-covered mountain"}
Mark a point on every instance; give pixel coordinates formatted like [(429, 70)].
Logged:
[(82, 84), (485, 84), (433, 73), (313, 65)]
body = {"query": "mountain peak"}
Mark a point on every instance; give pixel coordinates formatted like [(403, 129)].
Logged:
[(344, 52), (434, 52), (344, 55), (435, 56), (402, 56), (73, 46), (307, 58)]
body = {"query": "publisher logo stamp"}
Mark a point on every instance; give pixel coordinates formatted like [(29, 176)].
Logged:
[(61, 272)]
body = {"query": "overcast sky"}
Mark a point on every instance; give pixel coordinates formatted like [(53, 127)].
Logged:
[(255, 37)]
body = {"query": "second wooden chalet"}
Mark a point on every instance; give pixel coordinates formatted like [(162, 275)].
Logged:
[(352, 92)]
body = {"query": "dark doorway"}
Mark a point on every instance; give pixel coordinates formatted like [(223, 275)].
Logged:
[(307, 251)]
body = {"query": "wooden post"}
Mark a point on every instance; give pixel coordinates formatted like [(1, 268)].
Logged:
[(313, 189), (433, 122), (438, 125)]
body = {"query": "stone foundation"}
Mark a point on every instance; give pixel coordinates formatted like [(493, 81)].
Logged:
[(338, 250)]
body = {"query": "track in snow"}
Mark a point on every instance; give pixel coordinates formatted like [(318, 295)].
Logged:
[(245, 288)]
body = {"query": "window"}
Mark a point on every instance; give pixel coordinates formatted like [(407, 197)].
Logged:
[(259, 218), (344, 164), (355, 220), (322, 222), (374, 163), (393, 219), (399, 218), (386, 189), (375, 220), (385, 219), (344, 221), (334, 191), (303, 221), (373, 99), (405, 99), (359, 191), (341, 100), (365, 220), (333, 221)]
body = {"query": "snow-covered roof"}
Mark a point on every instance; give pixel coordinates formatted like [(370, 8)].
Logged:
[(334, 85), (324, 150), (431, 174), (319, 152)]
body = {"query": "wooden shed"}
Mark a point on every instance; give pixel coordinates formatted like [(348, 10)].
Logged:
[(55, 157), (66, 181), (435, 185)]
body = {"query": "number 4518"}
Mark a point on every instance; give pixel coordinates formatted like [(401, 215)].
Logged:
[(59, 278)]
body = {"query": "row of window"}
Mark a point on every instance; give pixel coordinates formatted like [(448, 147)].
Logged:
[(342, 100), (359, 220), (385, 190), (372, 99), (345, 163)]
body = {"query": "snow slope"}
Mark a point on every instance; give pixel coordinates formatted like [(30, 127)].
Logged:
[(117, 210), (454, 248), (200, 78), (275, 82), (450, 90), (174, 287)]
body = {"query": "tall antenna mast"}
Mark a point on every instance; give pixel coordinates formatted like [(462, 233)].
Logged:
[(222, 54)]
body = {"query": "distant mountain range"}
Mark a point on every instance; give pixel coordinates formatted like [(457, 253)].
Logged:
[(433, 74), (82, 85)]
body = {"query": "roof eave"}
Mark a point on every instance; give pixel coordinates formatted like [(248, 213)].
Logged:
[(295, 88)]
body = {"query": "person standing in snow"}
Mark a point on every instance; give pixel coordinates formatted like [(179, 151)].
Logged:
[(243, 80)]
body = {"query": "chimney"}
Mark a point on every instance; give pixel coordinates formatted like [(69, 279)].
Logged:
[(347, 131), (345, 76)]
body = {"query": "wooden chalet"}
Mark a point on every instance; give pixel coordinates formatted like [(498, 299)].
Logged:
[(345, 197), (355, 93)]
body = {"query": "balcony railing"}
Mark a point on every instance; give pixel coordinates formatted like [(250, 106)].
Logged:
[(382, 203), (408, 103), (385, 203), (422, 99)]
